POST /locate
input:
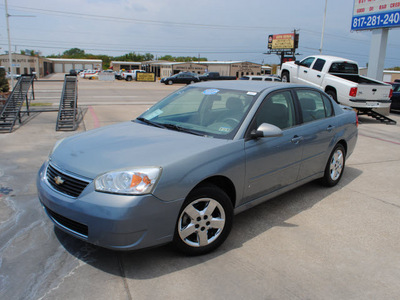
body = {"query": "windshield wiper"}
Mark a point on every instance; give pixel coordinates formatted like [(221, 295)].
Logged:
[(181, 129), (155, 124)]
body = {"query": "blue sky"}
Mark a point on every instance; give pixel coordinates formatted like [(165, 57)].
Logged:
[(216, 29)]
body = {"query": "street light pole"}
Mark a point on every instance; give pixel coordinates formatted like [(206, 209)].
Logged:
[(9, 46), (323, 29)]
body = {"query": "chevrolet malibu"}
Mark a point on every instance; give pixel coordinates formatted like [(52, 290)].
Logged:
[(182, 170)]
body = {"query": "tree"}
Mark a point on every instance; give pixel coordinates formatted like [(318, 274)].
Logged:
[(74, 53), (4, 87)]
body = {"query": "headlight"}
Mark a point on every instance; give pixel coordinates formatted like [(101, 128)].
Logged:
[(129, 182)]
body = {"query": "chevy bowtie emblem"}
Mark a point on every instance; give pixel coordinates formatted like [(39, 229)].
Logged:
[(58, 180)]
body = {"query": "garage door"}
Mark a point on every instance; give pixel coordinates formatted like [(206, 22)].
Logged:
[(79, 66), (88, 67), (58, 68), (67, 67)]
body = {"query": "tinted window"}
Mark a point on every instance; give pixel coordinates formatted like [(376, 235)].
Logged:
[(319, 64), (396, 87), (328, 106), (307, 62), (277, 109), (312, 105), (344, 67)]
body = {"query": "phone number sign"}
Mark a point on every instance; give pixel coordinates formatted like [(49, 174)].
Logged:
[(371, 14)]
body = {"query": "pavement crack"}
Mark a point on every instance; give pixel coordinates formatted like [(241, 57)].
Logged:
[(122, 271), (374, 162), (377, 199)]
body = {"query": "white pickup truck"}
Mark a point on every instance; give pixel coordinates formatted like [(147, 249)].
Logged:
[(340, 79), (131, 75)]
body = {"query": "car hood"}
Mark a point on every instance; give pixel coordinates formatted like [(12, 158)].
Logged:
[(127, 145)]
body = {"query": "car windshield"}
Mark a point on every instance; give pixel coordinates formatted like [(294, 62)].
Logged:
[(205, 111)]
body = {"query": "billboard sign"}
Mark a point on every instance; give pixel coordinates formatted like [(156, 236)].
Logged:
[(372, 14), (281, 42)]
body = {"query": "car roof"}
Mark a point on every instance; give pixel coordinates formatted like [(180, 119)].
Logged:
[(247, 85)]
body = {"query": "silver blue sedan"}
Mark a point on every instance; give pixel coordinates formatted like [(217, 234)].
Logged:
[(185, 167)]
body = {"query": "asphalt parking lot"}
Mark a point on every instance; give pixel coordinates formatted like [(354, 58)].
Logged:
[(310, 243)]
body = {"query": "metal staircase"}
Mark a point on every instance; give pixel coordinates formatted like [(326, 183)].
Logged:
[(68, 110), (375, 115), (11, 111)]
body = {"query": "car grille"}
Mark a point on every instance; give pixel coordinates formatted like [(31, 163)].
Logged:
[(67, 184), (69, 224)]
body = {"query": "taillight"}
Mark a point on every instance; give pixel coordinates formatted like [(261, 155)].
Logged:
[(391, 93), (353, 92)]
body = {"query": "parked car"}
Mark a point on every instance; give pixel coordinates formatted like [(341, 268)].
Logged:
[(73, 72), (339, 78), (15, 76), (215, 76), (183, 77), (395, 97), (131, 75), (180, 171), (261, 78), (118, 75)]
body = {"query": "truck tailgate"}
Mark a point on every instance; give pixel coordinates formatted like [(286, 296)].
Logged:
[(372, 92)]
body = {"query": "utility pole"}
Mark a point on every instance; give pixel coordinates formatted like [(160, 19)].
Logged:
[(323, 28), (9, 46)]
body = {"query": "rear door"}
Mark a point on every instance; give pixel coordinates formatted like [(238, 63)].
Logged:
[(318, 131), (315, 75)]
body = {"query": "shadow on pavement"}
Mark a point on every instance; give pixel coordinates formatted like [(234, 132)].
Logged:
[(157, 262)]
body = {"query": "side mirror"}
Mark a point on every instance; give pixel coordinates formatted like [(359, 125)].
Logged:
[(297, 62), (266, 130)]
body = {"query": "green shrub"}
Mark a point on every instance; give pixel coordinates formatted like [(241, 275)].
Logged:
[(4, 87)]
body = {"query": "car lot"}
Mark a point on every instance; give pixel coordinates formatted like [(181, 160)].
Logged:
[(312, 243)]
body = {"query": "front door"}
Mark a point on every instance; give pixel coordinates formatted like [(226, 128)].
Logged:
[(273, 163)]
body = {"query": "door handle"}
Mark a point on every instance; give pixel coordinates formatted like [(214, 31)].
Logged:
[(319, 76), (305, 71), (330, 128), (297, 139)]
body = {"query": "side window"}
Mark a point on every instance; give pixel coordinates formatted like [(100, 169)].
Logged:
[(319, 64), (312, 105), (307, 62), (328, 106), (277, 109)]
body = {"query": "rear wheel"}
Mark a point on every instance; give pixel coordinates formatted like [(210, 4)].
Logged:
[(204, 222), (334, 167), (332, 94), (129, 78)]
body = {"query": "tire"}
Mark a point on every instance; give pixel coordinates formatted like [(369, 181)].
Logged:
[(334, 167), (332, 94), (129, 78), (285, 76), (204, 221), (170, 82), (191, 82)]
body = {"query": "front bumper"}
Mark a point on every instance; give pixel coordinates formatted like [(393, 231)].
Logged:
[(118, 222)]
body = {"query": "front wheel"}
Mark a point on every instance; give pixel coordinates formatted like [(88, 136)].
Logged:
[(334, 167), (170, 82), (129, 78), (285, 76), (204, 222)]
